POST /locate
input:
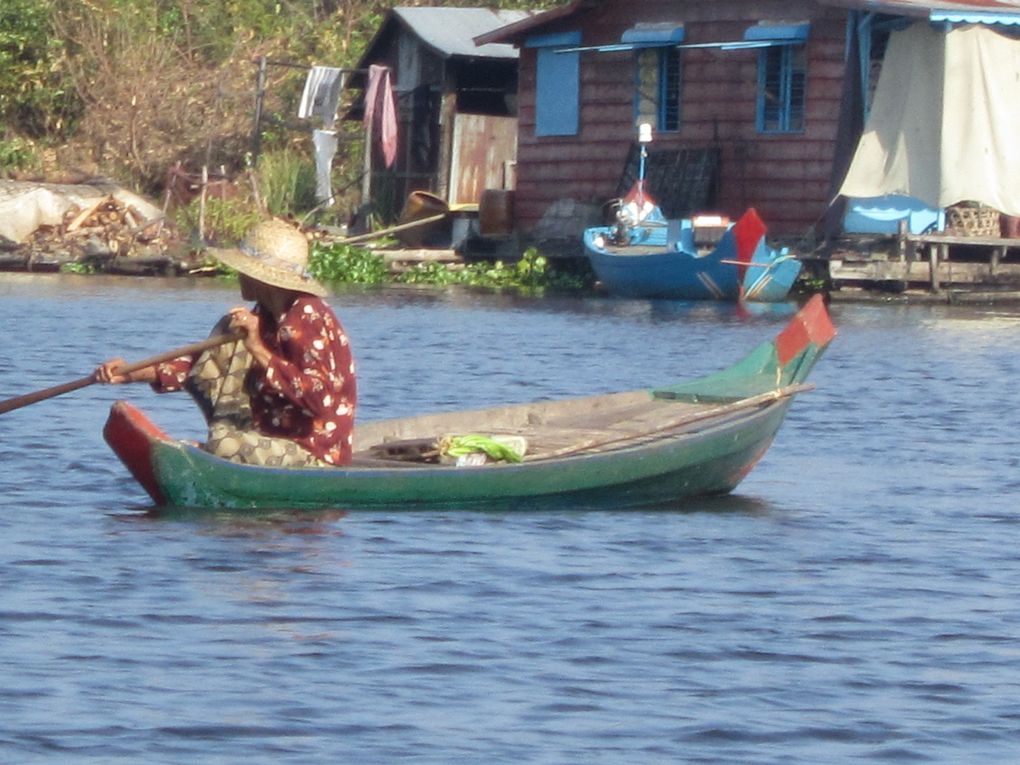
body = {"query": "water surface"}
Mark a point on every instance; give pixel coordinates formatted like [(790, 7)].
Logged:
[(854, 600)]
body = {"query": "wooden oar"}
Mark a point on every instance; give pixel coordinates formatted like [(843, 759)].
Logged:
[(41, 395)]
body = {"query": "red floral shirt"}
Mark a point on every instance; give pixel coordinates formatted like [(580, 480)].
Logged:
[(308, 392)]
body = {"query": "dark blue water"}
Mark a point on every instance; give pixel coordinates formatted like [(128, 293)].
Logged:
[(856, 600)]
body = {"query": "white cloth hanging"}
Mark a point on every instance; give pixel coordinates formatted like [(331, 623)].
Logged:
[(321, 96), (325, 142)]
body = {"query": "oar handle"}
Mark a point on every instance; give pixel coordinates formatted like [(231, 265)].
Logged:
[(57, 390), (185, 350)]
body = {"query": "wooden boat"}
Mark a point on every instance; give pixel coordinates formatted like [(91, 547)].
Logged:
[(656, 258), (642, 447)]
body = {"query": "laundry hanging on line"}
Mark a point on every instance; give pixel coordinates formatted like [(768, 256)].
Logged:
[(321, 96), (381, 111), (325, 142)]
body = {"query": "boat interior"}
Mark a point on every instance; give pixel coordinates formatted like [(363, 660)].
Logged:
[(550, 429)]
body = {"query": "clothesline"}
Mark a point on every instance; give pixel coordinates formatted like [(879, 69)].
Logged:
[(320, 100)]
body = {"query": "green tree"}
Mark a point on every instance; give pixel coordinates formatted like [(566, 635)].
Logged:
[(35, 97)]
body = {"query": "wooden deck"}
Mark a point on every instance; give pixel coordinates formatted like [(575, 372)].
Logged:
[(933, 262)]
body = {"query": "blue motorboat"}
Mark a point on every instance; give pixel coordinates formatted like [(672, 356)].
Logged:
[(645, 255)]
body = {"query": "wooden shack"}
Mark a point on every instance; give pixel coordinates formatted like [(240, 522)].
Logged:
[(776, 94), (456, 106)]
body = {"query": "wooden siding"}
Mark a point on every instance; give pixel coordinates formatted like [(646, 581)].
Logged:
[(785, 176)]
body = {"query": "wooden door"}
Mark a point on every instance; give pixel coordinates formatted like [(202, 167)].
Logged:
[(483, 156)]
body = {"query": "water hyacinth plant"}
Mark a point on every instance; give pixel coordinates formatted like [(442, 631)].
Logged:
[(349, 264)]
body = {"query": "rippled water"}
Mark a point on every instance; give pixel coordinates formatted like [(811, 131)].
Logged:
[(856, 599)]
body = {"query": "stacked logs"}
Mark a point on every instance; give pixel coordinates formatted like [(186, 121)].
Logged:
[(104, 235)]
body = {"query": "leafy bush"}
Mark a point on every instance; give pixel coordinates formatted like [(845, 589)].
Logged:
[(17, 154), (226, 220), (35, 92)]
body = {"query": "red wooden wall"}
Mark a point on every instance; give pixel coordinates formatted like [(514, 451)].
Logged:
[(786, 177)]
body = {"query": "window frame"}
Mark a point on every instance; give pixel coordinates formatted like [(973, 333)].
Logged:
[(788, 42), (668, 93), (788, 62)]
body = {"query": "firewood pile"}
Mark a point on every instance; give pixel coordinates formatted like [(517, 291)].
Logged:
[(103, 229)]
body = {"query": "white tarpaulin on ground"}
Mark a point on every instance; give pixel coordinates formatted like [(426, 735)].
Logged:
[(944, 122), (26, 205)]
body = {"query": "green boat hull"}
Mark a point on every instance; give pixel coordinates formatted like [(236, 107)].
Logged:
[(713, 432)]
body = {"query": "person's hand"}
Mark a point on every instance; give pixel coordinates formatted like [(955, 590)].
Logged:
[(109, 372), (245, 320)]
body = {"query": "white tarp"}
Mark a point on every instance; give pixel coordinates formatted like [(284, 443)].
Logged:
[(943, 124), (26, 205)]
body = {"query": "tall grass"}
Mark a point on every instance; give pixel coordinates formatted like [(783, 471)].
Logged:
[(286, 181)]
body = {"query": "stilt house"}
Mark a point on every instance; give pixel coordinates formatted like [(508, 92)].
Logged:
[(456, 105), (763, 103)]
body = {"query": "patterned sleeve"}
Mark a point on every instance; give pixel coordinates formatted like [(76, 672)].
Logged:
[(312, 371), (171, 375)]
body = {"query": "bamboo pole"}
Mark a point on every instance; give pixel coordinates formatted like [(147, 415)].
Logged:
[(391, 230)]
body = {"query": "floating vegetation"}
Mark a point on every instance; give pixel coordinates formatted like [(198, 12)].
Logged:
[(533, 272)]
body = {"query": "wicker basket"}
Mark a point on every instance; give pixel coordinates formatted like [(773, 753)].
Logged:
[(972, 221)]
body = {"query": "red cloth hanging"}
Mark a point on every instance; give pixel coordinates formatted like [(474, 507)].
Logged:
[(381, 111)]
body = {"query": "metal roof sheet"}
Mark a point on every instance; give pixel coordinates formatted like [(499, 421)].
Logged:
[(979, 10), (451, 31), (967, 11)]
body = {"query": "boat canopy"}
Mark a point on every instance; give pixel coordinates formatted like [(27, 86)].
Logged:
[(942, 126)]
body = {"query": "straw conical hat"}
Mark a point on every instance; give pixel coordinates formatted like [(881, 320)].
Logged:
[(275, 253)]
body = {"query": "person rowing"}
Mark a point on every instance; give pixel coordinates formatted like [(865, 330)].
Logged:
[(285, 393)]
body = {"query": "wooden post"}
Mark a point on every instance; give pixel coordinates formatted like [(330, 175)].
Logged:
[(933, 266), (366, 178), (260, 97), (447, 119), (201, 204)]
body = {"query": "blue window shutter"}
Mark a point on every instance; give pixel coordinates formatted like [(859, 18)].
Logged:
[(557, 85), (778, 33), (653, 35)]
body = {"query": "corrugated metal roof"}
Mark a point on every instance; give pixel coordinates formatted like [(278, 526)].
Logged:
[(979, 10), (963, 11), (451, 31)]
